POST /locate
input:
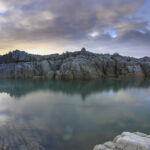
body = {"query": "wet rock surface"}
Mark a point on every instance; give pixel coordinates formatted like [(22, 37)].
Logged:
[(72, 65), (127, 141)]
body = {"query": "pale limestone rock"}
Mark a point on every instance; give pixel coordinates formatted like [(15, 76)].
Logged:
[(109, 144), (146, 68), (72, 65), (50, 75), (45, 66), (58, 75), (127, 141)]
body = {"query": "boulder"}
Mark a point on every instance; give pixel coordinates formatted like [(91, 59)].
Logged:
[(45, 67), (83, 50), (146, 68), (127, 141)]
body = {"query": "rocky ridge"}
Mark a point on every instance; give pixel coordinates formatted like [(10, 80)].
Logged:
[(72, 66), (127, 141)]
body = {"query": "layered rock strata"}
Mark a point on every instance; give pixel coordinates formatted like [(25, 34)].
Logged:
[(77, 65)]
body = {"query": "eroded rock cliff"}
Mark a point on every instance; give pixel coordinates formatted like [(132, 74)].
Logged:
[(72, 65)]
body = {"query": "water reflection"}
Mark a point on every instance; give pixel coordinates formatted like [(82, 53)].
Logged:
[(18, 88), (44, 114)]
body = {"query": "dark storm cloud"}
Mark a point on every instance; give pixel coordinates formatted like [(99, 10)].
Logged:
[(73, 20)]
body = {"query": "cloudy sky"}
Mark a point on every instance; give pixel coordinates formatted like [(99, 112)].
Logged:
[(56, 26)]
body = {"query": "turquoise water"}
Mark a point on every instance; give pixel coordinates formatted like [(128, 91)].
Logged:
[(65, 115)]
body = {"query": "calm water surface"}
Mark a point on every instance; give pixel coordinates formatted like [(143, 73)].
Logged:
[(65, 115)]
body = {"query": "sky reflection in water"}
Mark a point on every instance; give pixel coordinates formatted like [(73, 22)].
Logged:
[(71, 115)]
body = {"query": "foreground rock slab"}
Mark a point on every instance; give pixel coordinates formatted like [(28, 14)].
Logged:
[(127, 141)]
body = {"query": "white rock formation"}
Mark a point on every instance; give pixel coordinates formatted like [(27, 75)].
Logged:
[(127, 141)]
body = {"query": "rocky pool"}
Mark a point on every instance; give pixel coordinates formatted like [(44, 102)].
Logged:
[(70, 115)]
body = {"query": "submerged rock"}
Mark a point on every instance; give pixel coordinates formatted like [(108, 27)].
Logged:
[(72, 65), (127, 141)]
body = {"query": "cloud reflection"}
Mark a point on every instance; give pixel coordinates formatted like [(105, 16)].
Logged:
[(43, 110)]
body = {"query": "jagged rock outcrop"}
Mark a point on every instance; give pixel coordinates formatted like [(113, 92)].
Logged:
[(127, 141), (72, 65)]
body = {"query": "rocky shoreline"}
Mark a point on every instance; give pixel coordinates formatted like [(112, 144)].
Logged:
[(127, 141), (77, 65)]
